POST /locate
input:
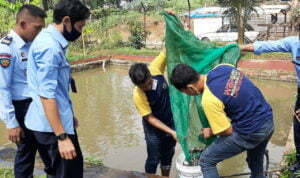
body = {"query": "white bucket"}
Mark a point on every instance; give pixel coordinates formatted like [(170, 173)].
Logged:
[(184, 171)]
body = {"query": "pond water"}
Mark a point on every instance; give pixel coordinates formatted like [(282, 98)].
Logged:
[(111, 129)]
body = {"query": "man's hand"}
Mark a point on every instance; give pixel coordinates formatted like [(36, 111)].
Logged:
[(174, 135), (66, 149), (16, 134), (247, 48), (170, 11), (207, 133)]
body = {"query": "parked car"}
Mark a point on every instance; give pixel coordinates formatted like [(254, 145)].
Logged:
[(229, 33)]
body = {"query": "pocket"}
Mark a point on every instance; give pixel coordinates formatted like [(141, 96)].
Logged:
[(20, 66), (262, 134)]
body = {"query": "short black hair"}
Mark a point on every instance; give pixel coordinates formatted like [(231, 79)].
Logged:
[(31, 10), (139, 73), (72, 8), (183, 75)]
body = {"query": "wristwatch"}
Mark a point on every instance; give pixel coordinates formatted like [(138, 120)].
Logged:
[(62, 136)]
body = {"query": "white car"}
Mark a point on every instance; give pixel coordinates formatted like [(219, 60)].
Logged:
[(229, 33)]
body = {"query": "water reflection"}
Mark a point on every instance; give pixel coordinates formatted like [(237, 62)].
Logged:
[(110, 128)]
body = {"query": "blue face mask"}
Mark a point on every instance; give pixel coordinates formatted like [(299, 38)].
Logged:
[(71, 36)]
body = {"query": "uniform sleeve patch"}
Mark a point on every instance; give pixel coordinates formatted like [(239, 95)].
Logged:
[(5, 60), (7, 40)]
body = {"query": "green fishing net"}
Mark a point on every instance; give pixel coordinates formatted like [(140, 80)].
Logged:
[(183, 47)]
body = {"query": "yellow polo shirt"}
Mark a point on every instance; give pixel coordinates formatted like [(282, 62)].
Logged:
[(156, 67), (214, 111)]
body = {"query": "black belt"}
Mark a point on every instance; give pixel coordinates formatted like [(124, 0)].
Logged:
[(26, 101)]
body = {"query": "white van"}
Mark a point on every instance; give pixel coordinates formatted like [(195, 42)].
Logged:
[(209, 23), (228, 33), (215, 27)]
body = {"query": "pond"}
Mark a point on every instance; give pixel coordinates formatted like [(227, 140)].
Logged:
[(111, 129)]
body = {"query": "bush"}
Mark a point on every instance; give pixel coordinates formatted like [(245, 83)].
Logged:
[(112, 41), (138, 36), (7, 21)]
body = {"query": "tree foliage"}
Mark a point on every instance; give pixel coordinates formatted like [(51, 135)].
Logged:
[(93, 4), (239, 11), (295, 16), (138, 34), (8, 10)]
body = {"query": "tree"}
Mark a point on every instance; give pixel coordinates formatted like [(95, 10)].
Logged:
[(94, 4), (295, 16), (239, 11), (45, 5), (138, 35)]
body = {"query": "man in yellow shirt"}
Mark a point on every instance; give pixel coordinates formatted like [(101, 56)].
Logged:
[(151, 98), (236, 111)]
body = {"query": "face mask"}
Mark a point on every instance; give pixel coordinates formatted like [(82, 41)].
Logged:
[(71, 36)]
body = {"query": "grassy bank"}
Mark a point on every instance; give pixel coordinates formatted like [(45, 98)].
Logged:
[(75, 55), (78, 54), (268, 56)]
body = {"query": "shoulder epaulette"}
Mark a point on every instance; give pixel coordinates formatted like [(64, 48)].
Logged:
[(7, 40)]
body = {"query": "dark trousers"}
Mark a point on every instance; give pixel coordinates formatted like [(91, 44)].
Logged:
[(160, 149), (63, 168), (26, 150), (297, 128)]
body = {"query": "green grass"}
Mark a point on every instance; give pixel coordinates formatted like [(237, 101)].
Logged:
[(268, 56), (75, 55), (182, 6), (6, 173), (90, 161), (289, 160)]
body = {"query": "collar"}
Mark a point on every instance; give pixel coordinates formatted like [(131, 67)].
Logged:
[(204, 79), (57, 36), (154, 84), (20, 43)]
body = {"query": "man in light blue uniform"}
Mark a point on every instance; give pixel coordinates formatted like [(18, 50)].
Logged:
[(14, 100), (288, 45), (50, 115)]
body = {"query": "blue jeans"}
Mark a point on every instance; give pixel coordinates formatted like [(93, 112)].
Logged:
[(228, 146), (160, 149)]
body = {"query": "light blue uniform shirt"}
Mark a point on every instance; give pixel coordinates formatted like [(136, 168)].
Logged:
[(289, 44), (13, 83), (48, 76)]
